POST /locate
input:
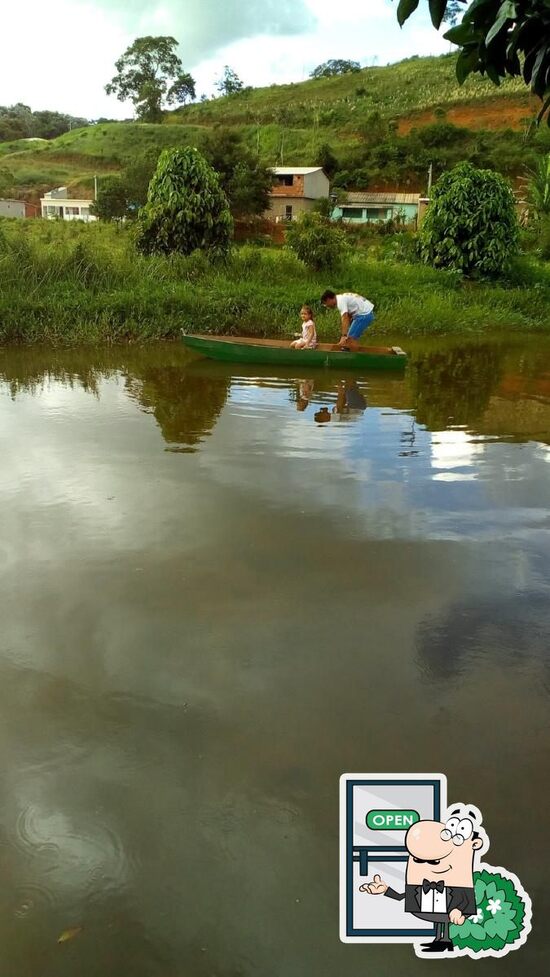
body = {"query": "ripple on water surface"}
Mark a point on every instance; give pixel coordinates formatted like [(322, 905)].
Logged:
[(82, 855)]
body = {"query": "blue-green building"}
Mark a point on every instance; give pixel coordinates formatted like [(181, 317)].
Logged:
[(363, 207)]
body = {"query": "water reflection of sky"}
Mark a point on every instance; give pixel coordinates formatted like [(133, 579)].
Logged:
[(444, 484)]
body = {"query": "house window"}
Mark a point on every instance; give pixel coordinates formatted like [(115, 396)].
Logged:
[(353, 213), (286, 181), (377, 214), (288, 212)]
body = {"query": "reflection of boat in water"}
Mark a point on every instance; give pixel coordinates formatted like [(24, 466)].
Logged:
[(233, 349)]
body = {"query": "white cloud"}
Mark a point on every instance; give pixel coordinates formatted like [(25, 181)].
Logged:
[(67, 59)]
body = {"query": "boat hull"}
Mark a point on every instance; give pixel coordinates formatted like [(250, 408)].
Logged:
[(275, 352)]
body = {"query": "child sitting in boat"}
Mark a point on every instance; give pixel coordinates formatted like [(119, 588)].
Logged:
[(308, 337)]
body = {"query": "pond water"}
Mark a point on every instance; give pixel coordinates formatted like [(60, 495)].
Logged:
[(219, 590)]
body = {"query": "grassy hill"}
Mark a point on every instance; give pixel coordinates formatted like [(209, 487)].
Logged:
[(396, 91), (289, 123)]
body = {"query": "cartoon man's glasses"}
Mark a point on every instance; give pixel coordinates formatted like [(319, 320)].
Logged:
[(457, 830)]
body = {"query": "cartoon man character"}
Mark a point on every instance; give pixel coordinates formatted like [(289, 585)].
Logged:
[(439, 884)]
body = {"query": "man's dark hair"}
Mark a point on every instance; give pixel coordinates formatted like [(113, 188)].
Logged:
[(328, 295)]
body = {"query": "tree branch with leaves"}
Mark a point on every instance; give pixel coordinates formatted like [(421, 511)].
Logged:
[(497, 38)]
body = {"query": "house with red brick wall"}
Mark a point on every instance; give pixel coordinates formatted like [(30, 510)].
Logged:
[(295, 189)]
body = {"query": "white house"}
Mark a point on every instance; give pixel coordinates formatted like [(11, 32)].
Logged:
[(56, 203), (295, 189)]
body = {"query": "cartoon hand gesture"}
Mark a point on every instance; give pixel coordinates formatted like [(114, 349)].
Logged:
[(456, 917), (374, 888)]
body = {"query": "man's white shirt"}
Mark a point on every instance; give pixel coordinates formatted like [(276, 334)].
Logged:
[(433, 901), (353, 304)]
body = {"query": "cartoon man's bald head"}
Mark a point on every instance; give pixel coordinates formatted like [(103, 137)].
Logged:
[(444, 850)]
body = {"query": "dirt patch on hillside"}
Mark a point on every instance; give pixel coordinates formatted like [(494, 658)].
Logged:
[(509, 113)]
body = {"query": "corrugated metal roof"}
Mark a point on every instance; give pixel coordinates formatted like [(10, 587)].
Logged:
[(298, 170), (363, 197)]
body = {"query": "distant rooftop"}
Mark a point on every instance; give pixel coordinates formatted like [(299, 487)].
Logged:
[(295, 170), (363, 197)]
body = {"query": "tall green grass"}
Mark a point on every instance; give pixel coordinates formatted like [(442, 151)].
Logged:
[(76, 283)]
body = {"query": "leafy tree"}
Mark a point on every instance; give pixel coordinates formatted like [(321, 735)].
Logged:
[(49, 125), (336, 66), (498, 38), (471, 223), (453, 11), (150, 73), (229, 83), (243, 178), (186, 208), (122, 196), (327, 159), (325, 205), (538, 188), (112, 199), (6, 181), (375, 129), (137, 177), (19, 122), (317, 242)]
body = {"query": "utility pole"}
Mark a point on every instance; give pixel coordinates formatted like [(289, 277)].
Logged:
[(430, 178), (95, 187)]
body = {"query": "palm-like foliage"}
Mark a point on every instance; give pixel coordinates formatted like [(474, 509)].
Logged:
[(538, 188)]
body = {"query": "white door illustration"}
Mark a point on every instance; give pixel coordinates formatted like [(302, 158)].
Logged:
[(376, 811)]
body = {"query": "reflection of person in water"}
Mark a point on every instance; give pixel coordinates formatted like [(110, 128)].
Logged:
[(349, 399), (305, 392), (322, 416)]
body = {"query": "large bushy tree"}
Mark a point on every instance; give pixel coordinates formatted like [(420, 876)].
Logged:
[(333, 67), (186, 207), (471, 224), (122, 196), (243, 177), (498, 38), (112, 200), (149, 74)]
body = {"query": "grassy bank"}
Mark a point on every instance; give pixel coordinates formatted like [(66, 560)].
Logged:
[(68, 284)]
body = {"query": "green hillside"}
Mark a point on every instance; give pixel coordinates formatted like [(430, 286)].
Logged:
[(395, 90), (364, 118)]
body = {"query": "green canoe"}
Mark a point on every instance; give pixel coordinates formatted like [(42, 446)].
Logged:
[(234, 349)]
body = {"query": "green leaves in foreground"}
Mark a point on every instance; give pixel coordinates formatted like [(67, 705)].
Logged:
[(497, 38), (186, 208), (471, 224)]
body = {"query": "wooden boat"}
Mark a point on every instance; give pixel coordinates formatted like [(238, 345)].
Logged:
[(233, 349)]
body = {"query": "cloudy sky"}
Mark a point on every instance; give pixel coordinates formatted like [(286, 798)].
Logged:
[(60, 55)]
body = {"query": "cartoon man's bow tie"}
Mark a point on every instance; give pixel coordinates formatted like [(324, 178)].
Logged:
[(426, 886)]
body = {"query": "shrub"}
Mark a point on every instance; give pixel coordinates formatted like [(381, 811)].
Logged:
[(471, 224), (317, 243), (186, 208), (500, 919)]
